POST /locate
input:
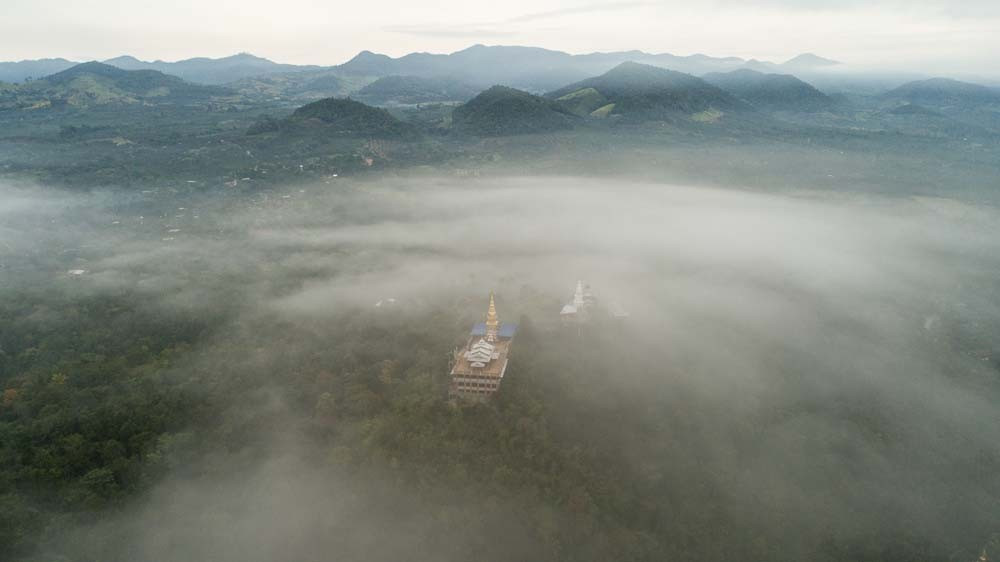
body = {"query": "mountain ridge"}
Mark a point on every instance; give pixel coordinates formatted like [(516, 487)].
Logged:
[(771, 91), (652, 92), (939, 91), (504, 111), (213, 71), (95, 83)]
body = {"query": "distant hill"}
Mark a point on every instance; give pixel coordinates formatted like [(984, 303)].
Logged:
[(346, 117), (809, 61), (367, 63), (941, 92), (15, 72), (93, 83), (529, 68), (772, 92), (643, 91), (402, 90), (307, 85), (502, 111), (919, 120), (212, 71)]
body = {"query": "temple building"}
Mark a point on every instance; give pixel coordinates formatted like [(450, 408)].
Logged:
[(479, 367), (579, 310)]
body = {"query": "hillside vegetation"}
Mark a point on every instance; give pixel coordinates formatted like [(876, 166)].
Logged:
[(646, 92), (402, 90), (773, 92), (944, 91), (505, 111), (347, 117), (584, 101), (94, 83)]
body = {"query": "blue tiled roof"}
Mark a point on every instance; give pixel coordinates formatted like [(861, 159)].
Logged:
[(506, 330)]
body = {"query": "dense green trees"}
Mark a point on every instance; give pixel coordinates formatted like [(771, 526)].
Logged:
[(502, 111), (86, 402), (100, 406)]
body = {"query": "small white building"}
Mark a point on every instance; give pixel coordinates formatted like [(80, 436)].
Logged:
[(579, 309)]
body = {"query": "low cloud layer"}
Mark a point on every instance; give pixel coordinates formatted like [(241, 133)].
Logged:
[(765, 311)]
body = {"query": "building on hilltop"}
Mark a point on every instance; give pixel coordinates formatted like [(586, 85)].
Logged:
[(579, 310), (585, 309), (479, 367)]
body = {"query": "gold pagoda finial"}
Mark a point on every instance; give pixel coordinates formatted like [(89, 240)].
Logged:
[(492, 322)]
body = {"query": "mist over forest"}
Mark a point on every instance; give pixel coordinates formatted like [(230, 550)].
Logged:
[(504, 303), (807, 375)]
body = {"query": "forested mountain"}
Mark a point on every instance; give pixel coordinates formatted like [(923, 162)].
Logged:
[(343, 117), (530, 68), (976, 106), (778, 92), (401, 90), (501, 111), (944, 92), (297, 86), (203, 70), (641, 91), (479, 65), (586, 102), (94, 83), (32, 69), (809, 61)]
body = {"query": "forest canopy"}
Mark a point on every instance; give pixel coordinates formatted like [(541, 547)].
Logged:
[(798, 377)]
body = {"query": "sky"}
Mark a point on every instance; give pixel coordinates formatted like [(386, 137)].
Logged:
[(926, 35)]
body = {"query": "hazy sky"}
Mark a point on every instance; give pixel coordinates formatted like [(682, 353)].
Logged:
[(944, 35)]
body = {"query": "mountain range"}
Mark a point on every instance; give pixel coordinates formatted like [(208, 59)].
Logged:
[(212, 71), (93, 84), (643, 91), (403, 90), (943, 92), (773, 92), (479, 65), (30, 69), (502, 111), (538, 69)]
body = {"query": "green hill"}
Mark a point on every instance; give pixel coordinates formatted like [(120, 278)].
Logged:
[(773, 92), (809, 61), (347, 117), (583, 102), (408, 90), (304, 86), (938, 92), (502, 111), (94, 83), (641, 91)]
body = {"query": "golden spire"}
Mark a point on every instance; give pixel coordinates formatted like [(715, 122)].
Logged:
[(492, 322)]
